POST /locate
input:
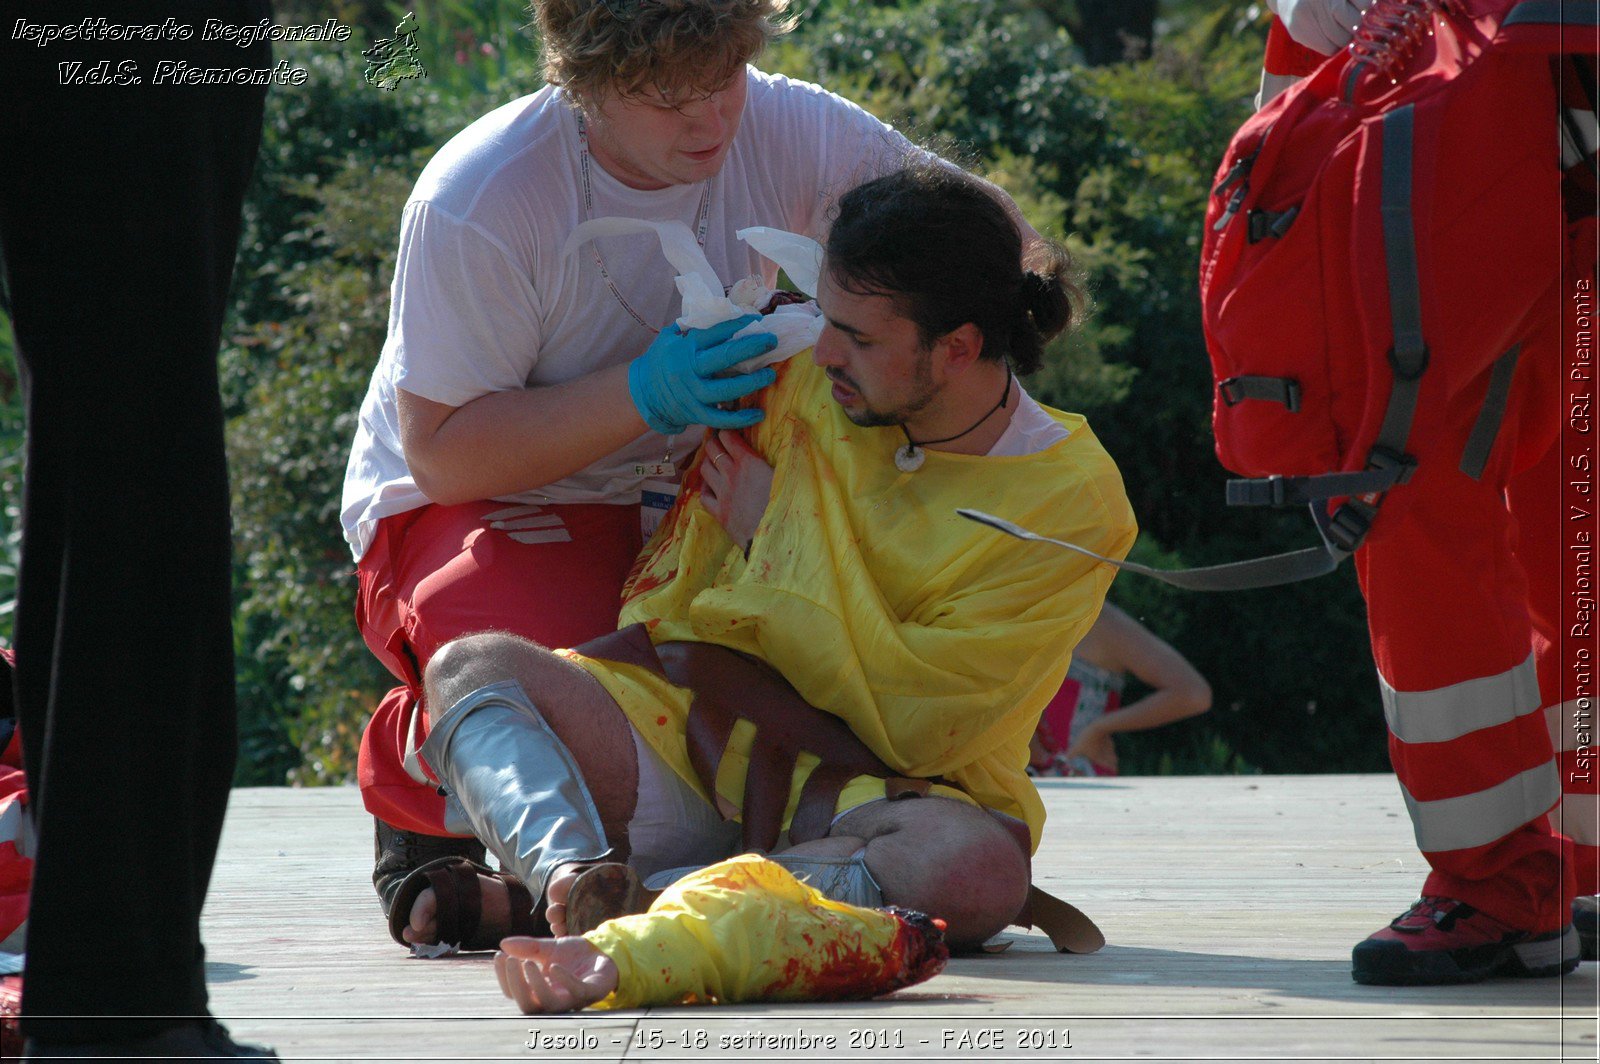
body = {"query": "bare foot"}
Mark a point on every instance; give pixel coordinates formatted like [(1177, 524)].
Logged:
[(555, 896), (553, 974), (424, 924)]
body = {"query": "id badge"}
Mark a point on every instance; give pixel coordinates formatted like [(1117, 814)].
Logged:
[(655, 499)]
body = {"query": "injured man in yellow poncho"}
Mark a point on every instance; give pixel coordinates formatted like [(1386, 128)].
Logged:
[(819, 661)]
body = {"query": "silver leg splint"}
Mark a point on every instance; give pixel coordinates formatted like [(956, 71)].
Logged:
[(845, 879), (516, 783)]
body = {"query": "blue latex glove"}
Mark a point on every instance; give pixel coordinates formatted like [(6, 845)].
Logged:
[(674, 383)]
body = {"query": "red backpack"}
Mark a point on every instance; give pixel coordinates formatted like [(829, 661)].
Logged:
[(1382, 235), (1395, 218)]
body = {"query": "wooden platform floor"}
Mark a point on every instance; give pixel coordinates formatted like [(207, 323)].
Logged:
[(1230, 903)]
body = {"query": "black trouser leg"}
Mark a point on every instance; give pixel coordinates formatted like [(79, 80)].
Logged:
[(119, 219)]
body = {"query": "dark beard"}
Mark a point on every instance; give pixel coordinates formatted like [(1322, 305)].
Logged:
[(872, 418)]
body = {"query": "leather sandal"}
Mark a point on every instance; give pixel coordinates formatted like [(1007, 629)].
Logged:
[(397, 853), (604, 892), (459, 898)]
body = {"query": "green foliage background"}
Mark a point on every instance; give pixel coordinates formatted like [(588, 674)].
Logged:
[(1115, 159)]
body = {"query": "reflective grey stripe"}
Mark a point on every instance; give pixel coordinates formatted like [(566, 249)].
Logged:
[(1579, 819), (1447, 713), (1580, 136), (1480, 818), (1554, 12), (1572, 723), (1475, 455)]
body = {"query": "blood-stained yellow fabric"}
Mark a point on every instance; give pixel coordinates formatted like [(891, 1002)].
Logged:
[(747, 930), (936, 639), (663, 706)]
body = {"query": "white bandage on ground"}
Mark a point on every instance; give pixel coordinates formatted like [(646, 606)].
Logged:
[(1322, 25)]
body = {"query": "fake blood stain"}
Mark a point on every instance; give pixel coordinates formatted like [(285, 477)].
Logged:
[(848, 968)]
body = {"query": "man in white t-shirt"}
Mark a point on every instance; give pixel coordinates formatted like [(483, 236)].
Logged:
[(524, 398)]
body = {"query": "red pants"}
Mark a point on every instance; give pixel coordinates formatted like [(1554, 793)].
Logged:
[(442, 571), (1449, 573), (1564, 653)]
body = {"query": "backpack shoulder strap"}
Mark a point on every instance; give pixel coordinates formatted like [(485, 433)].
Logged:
[(1553, 26), (1388, 464), (1553, 13)]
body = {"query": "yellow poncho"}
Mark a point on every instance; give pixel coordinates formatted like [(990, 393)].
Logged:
[(936, 639), (747, 930)]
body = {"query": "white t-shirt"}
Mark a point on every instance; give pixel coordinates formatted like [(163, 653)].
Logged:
[(483, 301), (1030, 431)]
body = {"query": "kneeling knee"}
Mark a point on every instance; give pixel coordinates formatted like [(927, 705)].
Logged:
[(469, 662), (980, 890), (955, 862)]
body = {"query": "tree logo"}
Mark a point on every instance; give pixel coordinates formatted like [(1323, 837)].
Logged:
[(394, 59)]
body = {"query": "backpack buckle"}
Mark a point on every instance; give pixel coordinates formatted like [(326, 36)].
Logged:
[(1285, 390), (1264, 224), (1349, 525), (1386, 460)]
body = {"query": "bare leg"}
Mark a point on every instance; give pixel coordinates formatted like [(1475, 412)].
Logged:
[(571, 701), (575, 707)]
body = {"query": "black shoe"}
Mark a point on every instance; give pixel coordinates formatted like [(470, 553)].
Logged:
[(208, 1040), (399, 853), (1586, 918)]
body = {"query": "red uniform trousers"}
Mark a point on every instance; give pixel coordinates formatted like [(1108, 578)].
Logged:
[(1461, 578), (552, 574), (1449, 571), (1564, 653)]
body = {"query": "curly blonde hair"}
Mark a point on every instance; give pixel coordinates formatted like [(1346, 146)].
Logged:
[(679, 48)]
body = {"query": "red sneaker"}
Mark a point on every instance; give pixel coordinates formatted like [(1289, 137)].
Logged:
[(1441, 940)]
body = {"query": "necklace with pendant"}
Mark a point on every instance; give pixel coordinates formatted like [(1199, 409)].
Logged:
[(909, 458)]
